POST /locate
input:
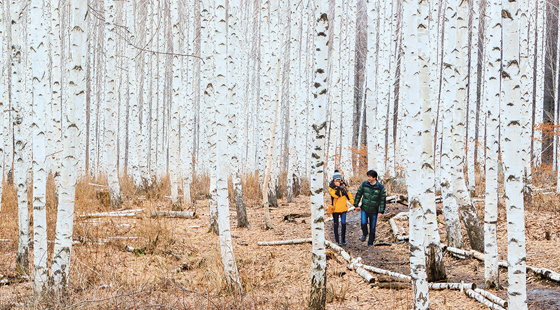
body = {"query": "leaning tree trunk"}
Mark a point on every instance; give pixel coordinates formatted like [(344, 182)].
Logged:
[(223, 158), (434, 255), (492, 95), (318, 295), (449, 75), (468, 212), (76, 97), (415, 131), (235, 104), (20, 165), (512, 155), (39, 65), (111, 104)]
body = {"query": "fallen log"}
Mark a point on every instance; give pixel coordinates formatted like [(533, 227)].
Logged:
[(493, 298), (366, 275), (6, 240), (477, 255), (476, 296), (383, 278), (452, 286), (175, 214), (547, 273), (456, 251), (9, 280), (285, 242), (124, 213), (385, 272), (394, 285), (339, 250)]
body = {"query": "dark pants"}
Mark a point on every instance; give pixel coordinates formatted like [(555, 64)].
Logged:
[(342, 217), (372, 219)]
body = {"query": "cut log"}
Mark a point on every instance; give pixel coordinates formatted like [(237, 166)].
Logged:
[(386, 272), (477, 255), (285, 242), (493, 298), (124, 213), (457, 251), (549, 274), (366, 275), (175, 214), (339, 250), (452, 286), (6, 240), (476, 296), (383, 278), (394, 285)]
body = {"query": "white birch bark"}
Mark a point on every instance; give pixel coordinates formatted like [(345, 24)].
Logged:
[(539, 80), (492, 95), (111, 104), (135, 132), (336, 78), (76, 94), (472, 95), (294, 88), (3, 95), (303, 94), (176, 95), (154, 102), (393, 47), (412, 98), (235, 104), (39, 63), (18, 103), (384, 87), (222, 157), (348, 91), (371, 79), (318, 295), (434, 257), (187, 103), (468, 212), (450, 207), (526, 22), (512, 156)]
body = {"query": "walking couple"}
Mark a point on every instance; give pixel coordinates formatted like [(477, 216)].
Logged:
[(371, 193)]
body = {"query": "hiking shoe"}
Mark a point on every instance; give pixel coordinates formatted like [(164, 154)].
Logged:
[(363, 238), (338, 243), (343, 243), (369, 245)]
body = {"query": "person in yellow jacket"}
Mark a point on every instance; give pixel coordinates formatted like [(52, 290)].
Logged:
[(339, 197)]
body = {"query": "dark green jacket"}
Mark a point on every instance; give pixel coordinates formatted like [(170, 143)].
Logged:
[(373, 197)]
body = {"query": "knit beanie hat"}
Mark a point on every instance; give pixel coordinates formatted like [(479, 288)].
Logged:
[(337, 175)]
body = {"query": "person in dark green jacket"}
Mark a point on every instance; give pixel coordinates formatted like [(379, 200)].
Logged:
[(372, 194)]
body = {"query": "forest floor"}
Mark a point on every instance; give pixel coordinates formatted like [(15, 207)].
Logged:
[(105, 276)]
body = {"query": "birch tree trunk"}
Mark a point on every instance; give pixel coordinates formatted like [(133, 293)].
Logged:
[(188, 103), (111, 104), (235, 106), (3, 95), (135, 131), (492, 94), (384, 87), (450, 207), (318, 295), (39, 63), (512, 156), (371, 78), (76, 95), (466, 208), (539, 80), (412, 98), (434, 257), (472, 95), (528, 19), (294, 87), (18, 103), (222, 157), (175, 120)]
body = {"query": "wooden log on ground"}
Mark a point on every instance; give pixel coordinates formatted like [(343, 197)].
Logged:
[(175, 214), (394, 285), (477, 255), (285, 242), (339, 250), (6, 240), (476, 296), (9, 280), (547, 273), (457, 251), (394, 227), (124, 213), (366, 275), (385, 272), (451, 286), (384, 278), (493, 298)]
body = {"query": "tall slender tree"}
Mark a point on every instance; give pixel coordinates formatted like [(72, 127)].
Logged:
[(318, 296), (512, 155)]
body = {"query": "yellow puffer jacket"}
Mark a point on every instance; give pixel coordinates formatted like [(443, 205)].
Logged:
[(340, 203)]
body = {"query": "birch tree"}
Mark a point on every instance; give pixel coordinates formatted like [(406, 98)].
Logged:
[(135, 144), (76, 94), (450, 207), (18, 103), (110, 104), (371, 78), (39, 63), (540, 36), (412, 73), (3, 95), (492, 96), (472, 93), (512, 156), (188, 104), (176, 99), (434, 257), (318, 295)]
